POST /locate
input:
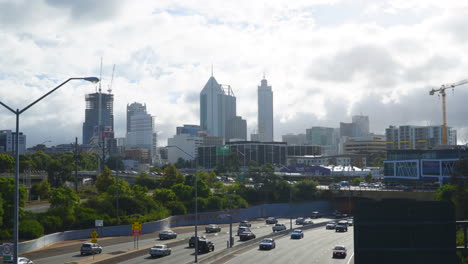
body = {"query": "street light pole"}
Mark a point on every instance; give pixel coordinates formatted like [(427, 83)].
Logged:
[(196, 201), (18, 112)]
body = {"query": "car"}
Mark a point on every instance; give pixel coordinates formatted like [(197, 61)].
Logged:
[(344, 183), (193, 239), (316, 214), (212, 228), (205, 246), (307, 221), (350, 222), (267, 243), (278, 227), (159, 250), (331, 225), (297, 234), (244, 236), (242, 229), (271, 220), (363, 184), (299, 220), (334, 186), (167, 234), (245, 223), (90, 249), (342, 226), (23, 260), (339, 252), (338, 214)]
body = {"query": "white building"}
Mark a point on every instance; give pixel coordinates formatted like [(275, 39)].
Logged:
[(140, 129), (265, 112), (183, 146)]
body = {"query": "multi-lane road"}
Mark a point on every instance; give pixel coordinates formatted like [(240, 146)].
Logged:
[(315, 247)]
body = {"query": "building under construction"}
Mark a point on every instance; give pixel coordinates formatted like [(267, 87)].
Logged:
[(99, 109)]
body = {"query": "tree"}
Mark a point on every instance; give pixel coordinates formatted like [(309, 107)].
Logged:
[(144, 180), (104, 180), (164, 195), (171, 176), (369, 178), (41, 190), (7, 163), (115, 163), (306, 190), (183, 192), (356, 181), (59, 169), (64, 198)]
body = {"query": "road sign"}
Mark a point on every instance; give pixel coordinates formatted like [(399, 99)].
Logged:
[(98, 223), (94, 234), (7, 251), (93, 240), (136, 228)]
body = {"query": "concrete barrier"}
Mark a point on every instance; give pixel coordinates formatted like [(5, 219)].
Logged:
[(219, 217)]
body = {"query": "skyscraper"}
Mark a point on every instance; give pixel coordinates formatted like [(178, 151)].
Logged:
[(98, 106), (265, 112), (140, 128), (211, 108), (218, 112)]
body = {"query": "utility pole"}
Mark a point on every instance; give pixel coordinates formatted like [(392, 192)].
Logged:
[(76, 164)]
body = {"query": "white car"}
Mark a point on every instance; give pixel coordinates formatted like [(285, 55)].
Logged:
[(23, 260), (159, 250), (278, 227)]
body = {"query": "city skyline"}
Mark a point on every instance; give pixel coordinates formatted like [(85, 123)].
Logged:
[(394, 53)]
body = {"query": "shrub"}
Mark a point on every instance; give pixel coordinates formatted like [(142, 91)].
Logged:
[(30, 229)]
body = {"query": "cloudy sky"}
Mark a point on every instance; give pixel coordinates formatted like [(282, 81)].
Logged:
[(326, 61)]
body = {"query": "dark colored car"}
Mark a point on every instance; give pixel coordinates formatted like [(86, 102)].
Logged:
[(193, 239), (242, 229), (205, 246), (90, 248), (167, 234), (342, 226), (339, 252), (278, 227), (267, 243), (271, 220), (299, 221), (244, 236), (297, 234), (212, 228), (316, 214)]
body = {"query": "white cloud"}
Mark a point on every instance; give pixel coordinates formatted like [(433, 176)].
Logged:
[(325, 60)]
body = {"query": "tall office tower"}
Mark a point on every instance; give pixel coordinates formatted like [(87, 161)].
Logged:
[(188, 129), (211, 108), (361, 125), (132, 109), (98, 106), (140, 133), (218, 111), (265, 112)]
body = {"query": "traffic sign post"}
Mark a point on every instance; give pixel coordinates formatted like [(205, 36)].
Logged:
[(136, 231), (7, 251), (94, 236)]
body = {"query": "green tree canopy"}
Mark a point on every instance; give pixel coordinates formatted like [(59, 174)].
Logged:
[(7, 163), (171, 176), (104, 180)]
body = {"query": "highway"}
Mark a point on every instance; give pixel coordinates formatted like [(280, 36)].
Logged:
[(120, 246), (315, 247)]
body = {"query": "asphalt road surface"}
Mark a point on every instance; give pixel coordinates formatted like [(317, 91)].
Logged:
[(119, 246), (315, 247)]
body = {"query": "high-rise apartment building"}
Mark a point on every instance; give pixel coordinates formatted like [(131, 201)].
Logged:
[(99, 107), (265, 111), (140, 129), (418, 137), (358, 128), (218, 111), (8, 142), (291, 139)]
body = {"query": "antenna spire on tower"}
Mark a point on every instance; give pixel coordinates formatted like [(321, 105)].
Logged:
[(100, 77), (211, 69), (263, 75)]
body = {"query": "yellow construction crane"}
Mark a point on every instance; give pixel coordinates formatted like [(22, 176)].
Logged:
[(441, 90)]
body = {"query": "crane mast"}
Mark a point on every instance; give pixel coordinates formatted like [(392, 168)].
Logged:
[(441, 91)]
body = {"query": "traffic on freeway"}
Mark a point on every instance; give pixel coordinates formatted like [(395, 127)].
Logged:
[(123, 247)]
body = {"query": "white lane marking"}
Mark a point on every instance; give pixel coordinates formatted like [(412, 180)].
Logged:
[(349, 261)]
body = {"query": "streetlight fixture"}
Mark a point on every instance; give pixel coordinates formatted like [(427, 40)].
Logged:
[(18, 112), (196, 201)]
